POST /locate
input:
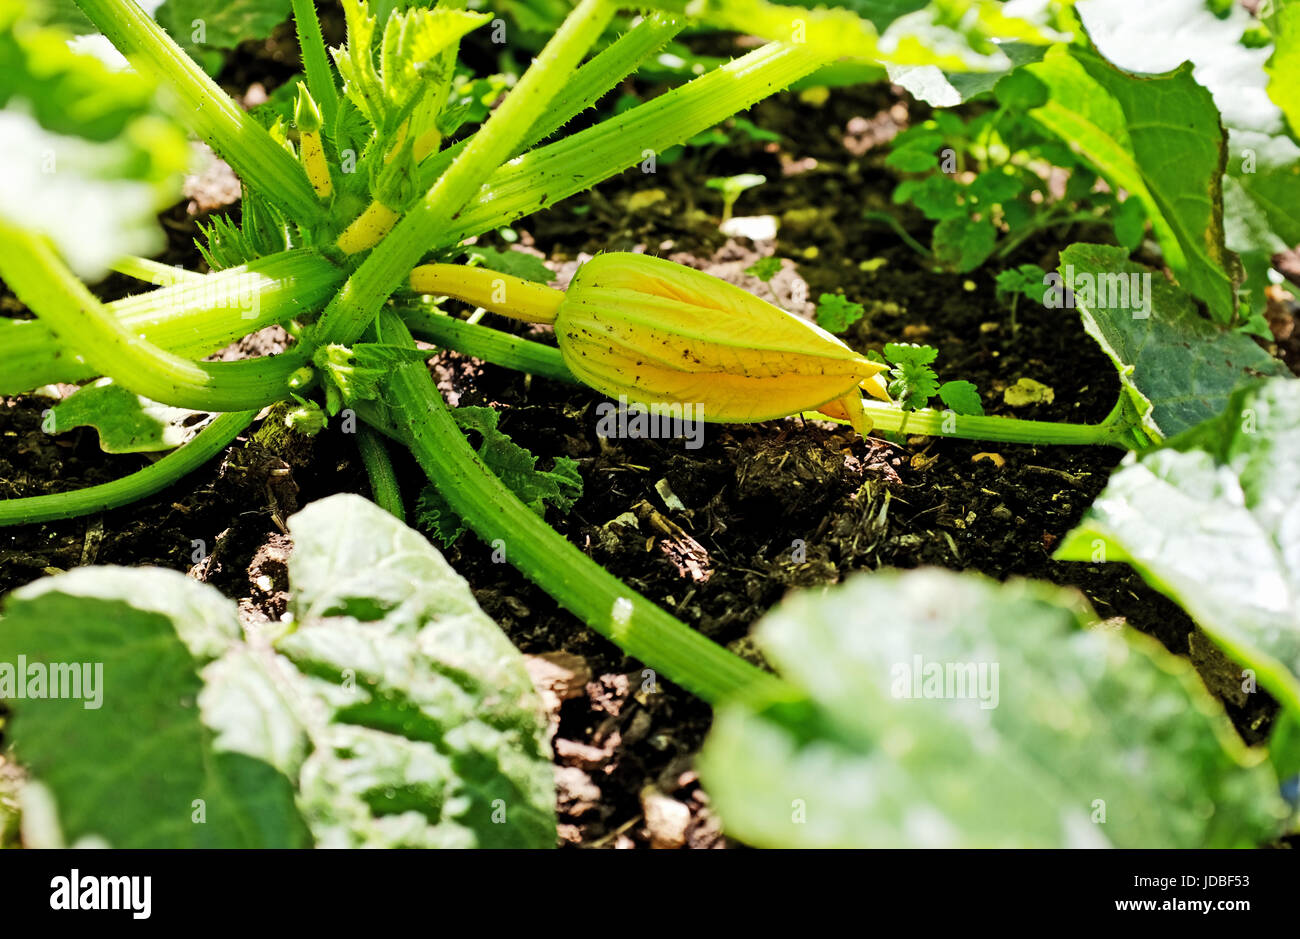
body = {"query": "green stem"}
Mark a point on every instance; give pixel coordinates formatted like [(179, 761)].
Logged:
[(1051, 220), (204, 108), (383, 481), (83, 326), (524, 355), (1113, 431), (210, 441), (602, 601), (486, 343), (154, 272), (900, 231), (193, 317), (542, 177), (389, 263), (589, 84), (315, 60)]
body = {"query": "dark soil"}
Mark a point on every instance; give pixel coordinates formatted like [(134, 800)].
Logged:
[(757, 510)]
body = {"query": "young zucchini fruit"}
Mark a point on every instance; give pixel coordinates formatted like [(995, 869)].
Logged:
[(656, 332), (311, 151)]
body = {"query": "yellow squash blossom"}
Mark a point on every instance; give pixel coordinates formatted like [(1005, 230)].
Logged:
[(656, 332)]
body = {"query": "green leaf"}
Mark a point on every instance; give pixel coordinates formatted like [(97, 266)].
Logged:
[(1176, 366), (201, 27), (995, 186), (944, 34), (962, 396), (89, 162), (911, 160), (937, 196), (1020, 91), (912, 381), (1180, 152), (66, 15), (941, 88), (126, 422), (1284, 65), (1101, 111), (356, 64), (427, 730), (516, 263), (962, 244), (359, 373), (1213, 521), (754, 132), (413, 39), (927, 136), (1130, 221), (141, 769), (560, 486), (765, 268), (1262, 184), (1028, 280), (1038, 733), (390, 712), (418, 60), (836, 313)]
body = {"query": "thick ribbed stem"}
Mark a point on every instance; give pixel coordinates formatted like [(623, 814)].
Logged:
[(579, 584)]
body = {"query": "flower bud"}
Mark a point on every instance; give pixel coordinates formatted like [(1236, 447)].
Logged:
[(658, 332)]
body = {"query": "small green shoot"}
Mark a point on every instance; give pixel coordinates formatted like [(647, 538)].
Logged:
[(913, 382), (764, 268), (836, 313), (731, 187)]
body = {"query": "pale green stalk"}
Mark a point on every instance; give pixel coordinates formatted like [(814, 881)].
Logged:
[(207, 110), (40, 279), (589, 84), (542, 177), (315, 61), (192, 318), (379, 467), (579, 584)]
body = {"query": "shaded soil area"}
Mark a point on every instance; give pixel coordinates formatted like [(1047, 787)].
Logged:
[(717, 534)]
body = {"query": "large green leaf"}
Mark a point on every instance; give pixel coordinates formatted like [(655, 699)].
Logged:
[(390, 712), (941, 89), (1062, 737), (88, 163), (1213, 521), (425, 728), (1180, 153), (1261, 188), (1176, 366), (1099, 111), (1152, 134), (203, 28), (1284, 64), (954, 35), (141, 769)]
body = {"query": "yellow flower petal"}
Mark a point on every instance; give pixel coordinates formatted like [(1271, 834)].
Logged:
[(656, 331)]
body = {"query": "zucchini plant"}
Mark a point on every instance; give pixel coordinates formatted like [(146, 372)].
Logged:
[(358, 211)]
